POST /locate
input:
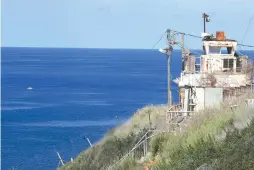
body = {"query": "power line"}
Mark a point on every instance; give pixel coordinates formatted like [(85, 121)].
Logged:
[(195, 36), (250, 21), (252, 46), (247, 29), (191, 35), (159, 40)]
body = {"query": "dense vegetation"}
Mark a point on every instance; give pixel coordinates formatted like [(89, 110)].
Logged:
[(216, 138), (117, 143), (102, 155), (235, 152)]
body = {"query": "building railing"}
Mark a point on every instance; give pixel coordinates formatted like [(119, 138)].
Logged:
[(175, 115)]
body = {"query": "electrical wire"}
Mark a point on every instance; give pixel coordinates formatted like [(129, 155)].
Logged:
[(186, 48), (191, 35), (195, 36), (250, 21), (246, 31), (159, 40), (252, 46)]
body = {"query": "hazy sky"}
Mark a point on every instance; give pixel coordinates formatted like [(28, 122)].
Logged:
[(119, 23)]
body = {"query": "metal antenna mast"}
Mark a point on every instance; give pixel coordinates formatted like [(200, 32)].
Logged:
[(206, 19)]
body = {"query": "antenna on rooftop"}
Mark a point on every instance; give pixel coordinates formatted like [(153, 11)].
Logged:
[(206, 19)]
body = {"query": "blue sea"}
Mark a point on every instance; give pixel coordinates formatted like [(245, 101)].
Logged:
[(76, 93)]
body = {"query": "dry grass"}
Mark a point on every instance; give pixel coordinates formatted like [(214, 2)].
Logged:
[(211, 121), (201, 144), (140, 120), (119, 141)]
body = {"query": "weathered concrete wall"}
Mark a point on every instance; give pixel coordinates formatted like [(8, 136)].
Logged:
[(213, 96), (223, 80), (215, 64), (208, 97), (200, 92)]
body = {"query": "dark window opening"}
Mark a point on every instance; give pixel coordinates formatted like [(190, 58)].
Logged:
[(238, 64), (228, 63)]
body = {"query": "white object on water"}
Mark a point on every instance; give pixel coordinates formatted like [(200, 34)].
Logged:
[(29, 88)]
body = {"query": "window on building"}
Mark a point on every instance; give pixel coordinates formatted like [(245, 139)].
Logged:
[(214, 50), (228, 63), (238, 64)]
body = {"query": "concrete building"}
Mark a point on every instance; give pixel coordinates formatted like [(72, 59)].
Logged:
[(209, 78)]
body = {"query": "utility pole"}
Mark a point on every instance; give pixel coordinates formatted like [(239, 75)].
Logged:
[(170, 48), (171, 41)]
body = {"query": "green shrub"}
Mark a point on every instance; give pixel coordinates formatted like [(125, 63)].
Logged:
[(107, 153), (236, 152)]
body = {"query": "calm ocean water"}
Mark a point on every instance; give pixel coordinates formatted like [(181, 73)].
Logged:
[(76, 93)]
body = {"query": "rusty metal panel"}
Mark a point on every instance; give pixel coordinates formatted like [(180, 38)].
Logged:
[(220, 35)]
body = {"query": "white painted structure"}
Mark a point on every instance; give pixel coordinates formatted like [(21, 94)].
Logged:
[(208, 97), (220, 67)]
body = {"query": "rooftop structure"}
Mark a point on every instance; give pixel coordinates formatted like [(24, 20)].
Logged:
[(207, 79), (219, 67)]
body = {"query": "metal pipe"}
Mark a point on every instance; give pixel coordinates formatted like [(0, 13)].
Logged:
[(61, 160), (89, 142)]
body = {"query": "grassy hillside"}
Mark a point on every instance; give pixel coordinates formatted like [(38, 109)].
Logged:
[(217, 143), (215, 138), (118, 141)]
